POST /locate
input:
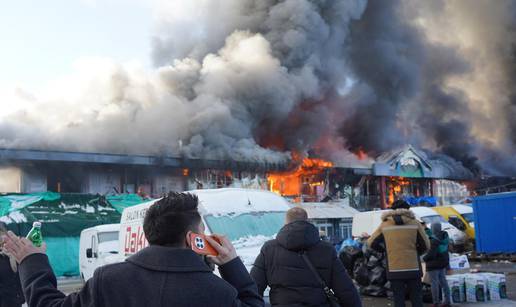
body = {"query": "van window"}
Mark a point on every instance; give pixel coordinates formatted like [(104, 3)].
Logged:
[(458, 223), (433, 219), (108, 236), (246, 225), (469, 217), (94, 245)]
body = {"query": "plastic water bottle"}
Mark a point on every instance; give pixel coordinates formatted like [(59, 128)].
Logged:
[(35, 235)]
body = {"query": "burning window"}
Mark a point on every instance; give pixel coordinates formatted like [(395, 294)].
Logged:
[(399, 187), (306, 182)]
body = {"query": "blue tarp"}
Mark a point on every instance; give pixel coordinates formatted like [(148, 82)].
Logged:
[(349, 242), (416, 201)]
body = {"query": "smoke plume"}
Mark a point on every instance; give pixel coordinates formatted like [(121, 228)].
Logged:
[(257, 79), (429, 75)]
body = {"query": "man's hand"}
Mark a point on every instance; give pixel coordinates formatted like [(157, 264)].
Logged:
[(225, 249), (20, 248)]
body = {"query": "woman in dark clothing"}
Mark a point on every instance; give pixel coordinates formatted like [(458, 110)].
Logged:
[(10, 288), (437, 261)]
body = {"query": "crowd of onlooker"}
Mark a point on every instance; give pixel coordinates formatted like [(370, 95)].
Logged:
[(299, 268)]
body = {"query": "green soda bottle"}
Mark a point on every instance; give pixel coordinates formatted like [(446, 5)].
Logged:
[(34, 234)]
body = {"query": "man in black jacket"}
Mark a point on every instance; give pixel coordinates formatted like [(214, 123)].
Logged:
[(281, 266), (167, 273)]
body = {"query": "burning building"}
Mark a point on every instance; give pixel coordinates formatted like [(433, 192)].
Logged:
[(29, 171), (415, 175), (285, 76), (411, 174), (408, 173), (307, 182)]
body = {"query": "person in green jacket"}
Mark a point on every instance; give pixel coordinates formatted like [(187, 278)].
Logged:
[(437, 261)]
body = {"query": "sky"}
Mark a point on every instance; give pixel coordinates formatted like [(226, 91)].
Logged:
[(42, 40)]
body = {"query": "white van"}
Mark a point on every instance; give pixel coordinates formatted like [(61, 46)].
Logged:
[(247, 217), (366, 222), (429, 216), (97, 246), (466, 212)]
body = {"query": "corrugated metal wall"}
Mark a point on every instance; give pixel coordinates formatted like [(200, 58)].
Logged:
[(495, 223)]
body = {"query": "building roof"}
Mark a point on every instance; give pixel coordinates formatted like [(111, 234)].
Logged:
[(414, 163), (125, 159), (327, 210)]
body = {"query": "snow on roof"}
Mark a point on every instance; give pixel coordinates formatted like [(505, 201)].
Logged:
[(391, 156), (229, 201), (462, 209), (327, 210), (433, 165), (423, 211), (238, 201), (105, 228), (13, 217)]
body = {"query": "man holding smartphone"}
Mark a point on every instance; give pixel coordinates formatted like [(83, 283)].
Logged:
[(166, 273)]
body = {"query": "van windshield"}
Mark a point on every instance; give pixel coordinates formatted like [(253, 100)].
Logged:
[(431, 219), (246, 225), (468, 217), (108, 236)]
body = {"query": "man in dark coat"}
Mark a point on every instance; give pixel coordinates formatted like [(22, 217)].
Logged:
[(167, 273), (280, 266), (437, 261), (10, 288)]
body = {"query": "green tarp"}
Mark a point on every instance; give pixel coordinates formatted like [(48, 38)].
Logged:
[(122, 201), (63, 253), (63, 217), (13, 202)]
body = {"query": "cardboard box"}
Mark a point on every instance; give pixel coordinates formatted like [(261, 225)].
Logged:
[(459, 262), (476, 290), (457, 288), (496, 286)]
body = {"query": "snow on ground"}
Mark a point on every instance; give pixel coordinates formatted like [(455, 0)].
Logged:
[(248, 248), (252, 241)]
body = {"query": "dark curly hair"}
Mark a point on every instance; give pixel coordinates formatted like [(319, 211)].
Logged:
[(400, 204), (169, 219)]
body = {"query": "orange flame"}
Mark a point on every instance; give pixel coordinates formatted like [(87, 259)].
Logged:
[(395, 187), (306, 174), (361, 154)]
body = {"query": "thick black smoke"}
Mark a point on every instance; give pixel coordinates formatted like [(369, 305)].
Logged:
[(406, 95), (258, 79)]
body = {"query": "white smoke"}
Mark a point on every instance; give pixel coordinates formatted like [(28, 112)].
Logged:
[(254, 79), (225, 68)]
